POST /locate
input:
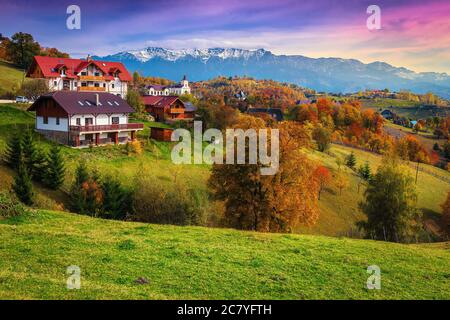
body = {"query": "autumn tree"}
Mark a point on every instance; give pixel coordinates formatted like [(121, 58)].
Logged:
[(322, 136), (390, 204), (341, 182), (269, 203), (323, 177), (22, 48), (34, 88), (134, 99)]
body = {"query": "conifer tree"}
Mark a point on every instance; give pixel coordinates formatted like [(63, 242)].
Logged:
[(351, 160), (365, 172), (55, 169), (28, 150), (116, 199), (13, 152), (77, 194), (22, 185), (39, 165)]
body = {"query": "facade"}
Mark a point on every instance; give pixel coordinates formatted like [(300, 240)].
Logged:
[(161, 134), (178, 89), (81, 119), (81, 75), (167, 108), (274, 113)]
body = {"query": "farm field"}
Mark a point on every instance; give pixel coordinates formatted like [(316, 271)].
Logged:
[(205, 263)]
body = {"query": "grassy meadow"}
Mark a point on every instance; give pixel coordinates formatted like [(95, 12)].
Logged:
[(205, 263)]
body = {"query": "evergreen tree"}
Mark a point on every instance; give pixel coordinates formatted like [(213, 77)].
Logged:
[(28, 150), (365, 172), (55, 169), (22, 185), (116, 199), (351, 160), (13, 152), (39, 166), (77, 195)]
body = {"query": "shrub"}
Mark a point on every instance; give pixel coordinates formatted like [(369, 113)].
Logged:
[(133, 147), (10, 207)]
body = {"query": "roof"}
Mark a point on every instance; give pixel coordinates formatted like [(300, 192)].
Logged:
[(189, 107), (74, 102), (157, 87), (276, 113), (50, 67), (160, 101)]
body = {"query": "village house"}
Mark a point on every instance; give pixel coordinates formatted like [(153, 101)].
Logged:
[(81, 75), (81, 119), (178, 89), (168, 108), (274, 113)]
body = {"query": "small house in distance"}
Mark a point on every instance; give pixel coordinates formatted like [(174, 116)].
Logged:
[(177, 89), (167, 108), (161, 134), (275, 113), (80, 119)]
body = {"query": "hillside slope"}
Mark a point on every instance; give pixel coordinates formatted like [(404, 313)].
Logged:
[(11, 77), (206, 263)]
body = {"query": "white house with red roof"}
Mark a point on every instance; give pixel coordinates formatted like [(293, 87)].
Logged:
[(83, 75)]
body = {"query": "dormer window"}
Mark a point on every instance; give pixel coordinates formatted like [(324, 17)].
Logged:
[(63, 72)]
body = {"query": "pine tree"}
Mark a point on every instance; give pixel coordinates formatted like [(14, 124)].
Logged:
[(351, 160), (13, 152), (55, 169), (39, 165), (77, 194), (22, 185), (116, 199), (28, 150), (365, 172)]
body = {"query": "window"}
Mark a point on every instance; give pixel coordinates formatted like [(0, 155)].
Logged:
[(115, 120), (83, 84), (109, 102), (78, 121), (57, 121), (80, 103), (112, 86), (87, 102), (55, 83), (84, 73), (97, 74), (117, 104), (88, 121), (45, 120), (96, 85)]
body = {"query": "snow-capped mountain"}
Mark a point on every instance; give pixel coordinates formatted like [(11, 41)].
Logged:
[(322, 74)]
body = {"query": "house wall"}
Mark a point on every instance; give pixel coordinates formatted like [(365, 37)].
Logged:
[(51, 125), (101, 119)]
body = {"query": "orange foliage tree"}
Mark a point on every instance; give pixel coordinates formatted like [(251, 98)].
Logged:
[(323, 177), (446, 215), (269, 203)]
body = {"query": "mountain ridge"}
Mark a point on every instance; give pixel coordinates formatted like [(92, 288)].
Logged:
[(322, 74)]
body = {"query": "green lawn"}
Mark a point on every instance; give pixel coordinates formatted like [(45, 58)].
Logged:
[(11, 77), (206, 263)]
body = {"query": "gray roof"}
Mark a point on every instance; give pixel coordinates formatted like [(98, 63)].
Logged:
[(74, 102)]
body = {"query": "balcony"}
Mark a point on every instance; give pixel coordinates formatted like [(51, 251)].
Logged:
[(92, 78), (106, 128), (176, 110), (91, 89)]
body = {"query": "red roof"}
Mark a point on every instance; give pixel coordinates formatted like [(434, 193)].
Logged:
[(160, 101), (50, 66)]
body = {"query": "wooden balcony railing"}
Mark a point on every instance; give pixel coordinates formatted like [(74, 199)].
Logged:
[(176, 110), (110, 127), (92, 78), (91, 89)]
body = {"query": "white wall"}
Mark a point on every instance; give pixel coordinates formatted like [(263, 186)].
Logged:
[(102, 119), (63, 124)]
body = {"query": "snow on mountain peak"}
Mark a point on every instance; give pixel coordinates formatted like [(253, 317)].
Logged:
[(149, 53)]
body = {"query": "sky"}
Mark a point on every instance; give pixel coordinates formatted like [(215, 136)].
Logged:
[(414, 33)]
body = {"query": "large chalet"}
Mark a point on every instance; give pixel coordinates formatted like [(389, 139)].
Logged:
[(81, 119), (168, 108), (81, 75)]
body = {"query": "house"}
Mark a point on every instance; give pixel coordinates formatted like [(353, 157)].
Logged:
[(178, 89), (275, 113), (388, 114), (81, 75), (161, 134), (80, 119), (241, 95), (167, 108)]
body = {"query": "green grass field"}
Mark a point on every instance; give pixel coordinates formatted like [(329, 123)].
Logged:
[(11, 77), (206, 263)]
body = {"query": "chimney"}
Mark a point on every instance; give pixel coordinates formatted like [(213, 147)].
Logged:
[(88, 58), (97, 99)]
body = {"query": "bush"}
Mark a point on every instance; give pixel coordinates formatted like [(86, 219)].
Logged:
[(156, 202), (9, 206)]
